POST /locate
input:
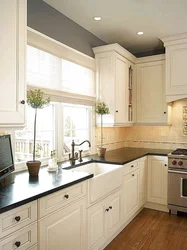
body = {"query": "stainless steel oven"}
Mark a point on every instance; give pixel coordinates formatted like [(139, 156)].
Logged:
[(177, 182)]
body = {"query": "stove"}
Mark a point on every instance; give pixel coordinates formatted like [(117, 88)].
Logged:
[(178, 159)]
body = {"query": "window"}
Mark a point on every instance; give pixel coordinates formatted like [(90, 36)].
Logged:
[(45, 136), (76, 125)]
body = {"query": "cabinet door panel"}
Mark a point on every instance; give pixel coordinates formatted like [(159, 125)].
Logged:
[(157, 180), (142, 180), (64, 229), (97, 225), (12, 57), (131, 189), (151, 104)]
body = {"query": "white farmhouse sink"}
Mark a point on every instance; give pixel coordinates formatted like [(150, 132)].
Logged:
[(107, 177)]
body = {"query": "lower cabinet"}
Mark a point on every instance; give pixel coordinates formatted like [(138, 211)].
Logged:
[(131, 193), (104, 219), (142, 181), (157, 179), (64, 229)]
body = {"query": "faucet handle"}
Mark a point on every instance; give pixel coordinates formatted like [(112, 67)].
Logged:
[(69, 156), (80, 156), (76, 155)]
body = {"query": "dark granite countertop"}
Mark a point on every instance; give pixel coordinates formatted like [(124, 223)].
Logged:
[(26, 189)]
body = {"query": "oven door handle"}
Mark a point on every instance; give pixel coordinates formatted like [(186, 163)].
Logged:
[(177, 172)]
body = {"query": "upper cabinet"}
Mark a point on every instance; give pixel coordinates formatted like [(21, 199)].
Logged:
[(176, 65), (114, 81), (12, 56), (151, 102)]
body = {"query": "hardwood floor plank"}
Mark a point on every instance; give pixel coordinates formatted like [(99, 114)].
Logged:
[(153, 230)]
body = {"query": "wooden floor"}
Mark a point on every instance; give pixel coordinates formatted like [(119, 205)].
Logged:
[(152, 229)]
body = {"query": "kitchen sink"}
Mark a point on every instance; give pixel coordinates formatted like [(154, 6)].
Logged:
[(107, 177)]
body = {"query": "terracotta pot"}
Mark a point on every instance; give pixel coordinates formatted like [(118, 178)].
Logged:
[(33, 167), (101, 151)]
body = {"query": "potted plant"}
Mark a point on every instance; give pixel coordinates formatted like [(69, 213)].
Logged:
[(101, 109), (35, 100)]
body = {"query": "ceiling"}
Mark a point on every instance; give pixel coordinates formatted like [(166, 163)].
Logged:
[(122, 19)]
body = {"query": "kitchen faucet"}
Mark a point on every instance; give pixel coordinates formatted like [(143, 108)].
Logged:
[(74, 156)]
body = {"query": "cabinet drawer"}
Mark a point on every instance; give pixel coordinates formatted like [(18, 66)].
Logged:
[(17, 218), (52, 202), (130, 167), (22, 239)]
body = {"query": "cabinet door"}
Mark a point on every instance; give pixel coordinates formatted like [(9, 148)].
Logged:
[(64, 229), (157, 180), (142, 180), (97, 216), (176, 73), (121, 90), (12, 56), (131, 186), (115, 205), (151, 104)]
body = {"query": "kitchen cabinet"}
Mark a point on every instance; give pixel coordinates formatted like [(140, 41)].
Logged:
[(131, 193), (142, 181), (114, 82), (13, 26), (64, 229), (151, 101), (176, 62), (157, 179), (104, 219)]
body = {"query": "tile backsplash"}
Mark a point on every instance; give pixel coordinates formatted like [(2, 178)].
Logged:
[(164, 137)]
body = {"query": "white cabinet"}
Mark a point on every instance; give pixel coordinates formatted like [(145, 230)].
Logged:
[(64, 229), (151, 103), (176, 64), (114, 69), (104, 219), (157, 179), (131, 193), (12, 56), (142, 181)]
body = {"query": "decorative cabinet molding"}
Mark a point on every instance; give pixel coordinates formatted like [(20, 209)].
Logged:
[(112, 82), (176, 63), (12, 72), (151, 104)]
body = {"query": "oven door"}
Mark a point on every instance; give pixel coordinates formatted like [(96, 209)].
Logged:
[(177, 188)]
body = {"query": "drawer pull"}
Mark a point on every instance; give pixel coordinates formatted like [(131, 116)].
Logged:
[(110, 207), (132, 175), (17, 218), (22, 102), (18, 243), (66, 196), (132, 166), (107, 209)]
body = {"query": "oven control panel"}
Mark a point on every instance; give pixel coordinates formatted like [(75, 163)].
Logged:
[(177, 163)]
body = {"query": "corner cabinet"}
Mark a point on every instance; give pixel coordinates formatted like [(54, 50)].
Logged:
[(176, 63), (114, 81), (151, 101), (13, 27)]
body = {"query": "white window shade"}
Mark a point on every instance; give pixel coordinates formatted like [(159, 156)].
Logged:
[(63, 78)]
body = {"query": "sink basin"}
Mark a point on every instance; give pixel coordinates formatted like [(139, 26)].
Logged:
[(107, 177)]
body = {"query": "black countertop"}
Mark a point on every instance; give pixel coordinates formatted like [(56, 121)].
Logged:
[(25, 189)]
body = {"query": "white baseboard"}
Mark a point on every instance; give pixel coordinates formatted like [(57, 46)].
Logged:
[(155, 206), (121, 228)]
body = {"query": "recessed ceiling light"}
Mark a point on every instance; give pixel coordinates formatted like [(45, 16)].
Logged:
[(97, 18), (139, 33)]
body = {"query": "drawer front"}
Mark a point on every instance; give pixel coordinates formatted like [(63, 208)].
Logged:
[(128, 168), (23, 239), (17, 218), (52, 202)]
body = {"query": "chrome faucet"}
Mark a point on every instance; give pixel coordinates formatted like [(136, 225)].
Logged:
[(74, 156)]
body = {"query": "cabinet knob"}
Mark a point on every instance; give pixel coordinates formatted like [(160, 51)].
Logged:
[(132, 175), (22, 102), (164, 112), (116, 111), (17, 218), (66, 196), (165, 165), (132, 166), (107, 209), (110, 207), (18, 243)]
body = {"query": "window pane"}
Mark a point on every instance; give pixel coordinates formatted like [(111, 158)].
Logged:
[(45, 136), (76, 126)]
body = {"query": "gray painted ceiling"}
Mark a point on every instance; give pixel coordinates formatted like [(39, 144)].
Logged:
[(122, 19)]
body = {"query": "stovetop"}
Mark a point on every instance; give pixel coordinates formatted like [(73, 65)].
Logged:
[(180, 151)]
